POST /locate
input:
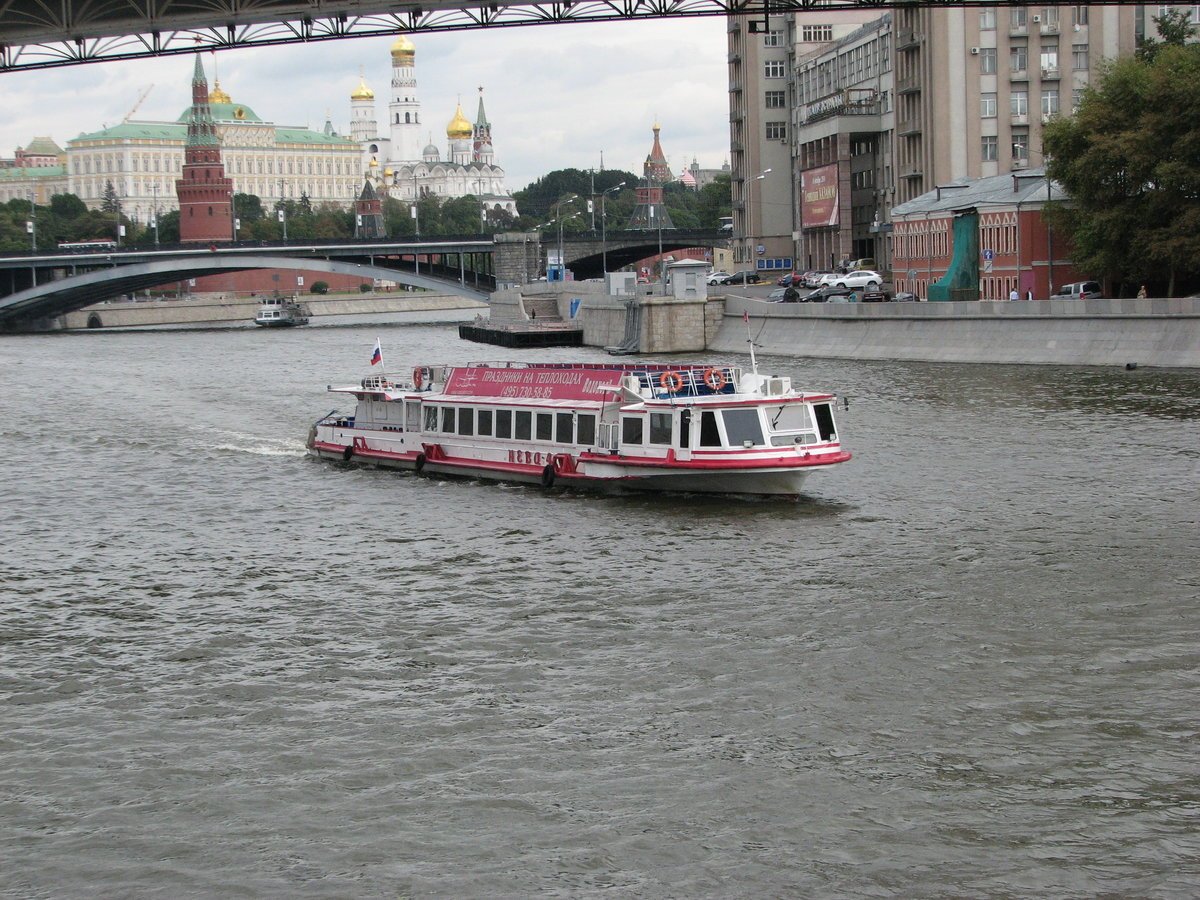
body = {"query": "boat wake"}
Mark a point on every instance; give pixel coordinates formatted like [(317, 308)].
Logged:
[(267, 448)]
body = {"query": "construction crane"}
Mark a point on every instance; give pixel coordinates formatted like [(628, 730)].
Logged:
[(137, 105)]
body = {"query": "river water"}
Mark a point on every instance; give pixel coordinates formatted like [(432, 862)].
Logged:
[(966, 663)]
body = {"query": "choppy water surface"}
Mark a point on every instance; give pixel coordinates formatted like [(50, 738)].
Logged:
[(966, 664)]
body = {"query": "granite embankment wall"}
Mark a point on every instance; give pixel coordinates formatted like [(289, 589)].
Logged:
[(241, 310), (1153, 332)]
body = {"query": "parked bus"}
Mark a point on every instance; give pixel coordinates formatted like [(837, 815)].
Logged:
[(98, 244)]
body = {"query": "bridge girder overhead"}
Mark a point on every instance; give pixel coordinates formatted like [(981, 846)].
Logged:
[(39, 34)]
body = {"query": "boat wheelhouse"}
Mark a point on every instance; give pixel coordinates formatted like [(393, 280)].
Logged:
[(644, 426), (277, 312)]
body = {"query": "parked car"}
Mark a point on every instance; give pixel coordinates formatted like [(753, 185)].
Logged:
[(813, 279), (776, 296), (859, 278), (1079, 290), (791, 279), (826, 293), (717, 277), (906, 297), (744, 277)]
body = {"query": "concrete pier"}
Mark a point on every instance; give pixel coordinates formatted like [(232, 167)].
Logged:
[(1153, 332)]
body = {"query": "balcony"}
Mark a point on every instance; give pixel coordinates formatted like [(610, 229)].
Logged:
[(1018, 75), (1018, 31), (1020, 119), (909, 84), (908, 40), (907, 127), (1050, 73), (1049, 28), (1020, 164)]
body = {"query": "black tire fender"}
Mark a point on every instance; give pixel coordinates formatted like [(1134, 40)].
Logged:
[(419, 463), (548, 476), (348, 452)]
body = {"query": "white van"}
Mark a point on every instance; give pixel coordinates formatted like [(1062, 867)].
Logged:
[(1079, 290)]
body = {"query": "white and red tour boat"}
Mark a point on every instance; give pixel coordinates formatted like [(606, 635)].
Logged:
[(644, 426)]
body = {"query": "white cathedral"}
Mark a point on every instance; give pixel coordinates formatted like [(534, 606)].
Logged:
[(399, 167)]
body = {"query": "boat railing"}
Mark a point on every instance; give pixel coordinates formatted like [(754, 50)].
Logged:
[(689, 381)]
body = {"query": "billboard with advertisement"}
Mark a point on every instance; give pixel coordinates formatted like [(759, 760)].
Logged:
[(819, 196)]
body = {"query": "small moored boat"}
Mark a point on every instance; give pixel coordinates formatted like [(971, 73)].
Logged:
[(643, 426), (280, 312)]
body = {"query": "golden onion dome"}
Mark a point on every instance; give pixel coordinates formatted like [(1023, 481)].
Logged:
[(216, 95), (362, 92), (403, 49), (374, 163), (388, 173), (459, 127)]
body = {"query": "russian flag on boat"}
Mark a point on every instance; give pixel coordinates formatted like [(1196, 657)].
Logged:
[(377, 353)]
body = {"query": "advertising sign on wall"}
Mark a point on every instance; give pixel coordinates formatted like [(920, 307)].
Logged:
[(819, 196)]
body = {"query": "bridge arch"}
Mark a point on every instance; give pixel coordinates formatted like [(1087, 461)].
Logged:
[(55, 298)]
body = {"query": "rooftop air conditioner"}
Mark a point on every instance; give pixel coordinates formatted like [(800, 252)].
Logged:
[(974, 51), (1036, 19)]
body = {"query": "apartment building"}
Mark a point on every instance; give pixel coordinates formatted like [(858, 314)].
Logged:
[(885, 109)]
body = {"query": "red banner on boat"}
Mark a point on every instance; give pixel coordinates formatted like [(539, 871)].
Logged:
[(533, 383)]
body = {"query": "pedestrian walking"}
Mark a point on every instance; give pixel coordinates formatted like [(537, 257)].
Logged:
[(1013, 295), (1142, 292)]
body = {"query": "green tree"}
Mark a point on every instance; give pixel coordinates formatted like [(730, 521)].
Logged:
[(67, 206), (111, 202), (1130, 161), (248, 208)]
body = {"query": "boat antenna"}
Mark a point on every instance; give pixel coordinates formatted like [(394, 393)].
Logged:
[(750, 341)]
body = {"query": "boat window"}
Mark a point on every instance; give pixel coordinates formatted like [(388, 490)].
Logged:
[(710, 435), (742, 425), (585, 429), (485, 422), (413, 410), (466, 420), (545, 427), (789, 417), (824, 414), (431, 418), (563, 429), (685, 428), (524, 425), (448, 419), (631, 429), (660, 428), (504, 423)]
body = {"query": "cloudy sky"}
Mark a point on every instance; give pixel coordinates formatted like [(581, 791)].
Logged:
[(557, 96)]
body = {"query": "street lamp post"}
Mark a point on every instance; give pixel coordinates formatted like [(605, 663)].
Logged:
[(604, 224), (566, 198), (154, 218), (32, 223), (749, 213)]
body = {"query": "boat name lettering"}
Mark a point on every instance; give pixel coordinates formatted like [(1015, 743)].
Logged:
[(529, 457)]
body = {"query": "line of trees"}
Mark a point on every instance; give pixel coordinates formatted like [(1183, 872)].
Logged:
[(67, 218)]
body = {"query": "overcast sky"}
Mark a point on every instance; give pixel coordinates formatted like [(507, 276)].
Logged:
[(557, 95)]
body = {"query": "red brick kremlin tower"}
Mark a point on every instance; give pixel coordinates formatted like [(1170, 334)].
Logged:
[(205, 194)]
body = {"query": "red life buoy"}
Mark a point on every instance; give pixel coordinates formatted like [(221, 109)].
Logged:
[(418, 377), (671, 381), (715, 379)]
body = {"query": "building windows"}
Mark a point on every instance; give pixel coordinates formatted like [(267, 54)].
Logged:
[(813, 33), (1079, 57), (1049, 58), (1018, 58), (1049, 16), (1081, 15), (1018, 19), (774, 68), (1050, 102), (776, 131), (1019, 103), (773, 39), (987, 106), (1020, 147), (987, 20), (776, 99), (989, 148), (1076, 99)]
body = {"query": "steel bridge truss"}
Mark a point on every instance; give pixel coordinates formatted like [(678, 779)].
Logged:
[(43, 34)]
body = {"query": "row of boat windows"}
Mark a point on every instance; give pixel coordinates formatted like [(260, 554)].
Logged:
[(521, 425), (788, 424)]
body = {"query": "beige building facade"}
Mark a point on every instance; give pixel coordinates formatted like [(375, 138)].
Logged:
[(886, 109)]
